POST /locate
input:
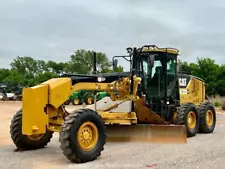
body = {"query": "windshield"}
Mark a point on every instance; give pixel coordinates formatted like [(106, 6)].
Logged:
[(163, 76)]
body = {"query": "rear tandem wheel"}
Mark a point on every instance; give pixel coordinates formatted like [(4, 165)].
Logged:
[(207, 118), (188, 115)]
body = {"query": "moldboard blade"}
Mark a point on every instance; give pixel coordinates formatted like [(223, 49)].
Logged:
[(147, 133)]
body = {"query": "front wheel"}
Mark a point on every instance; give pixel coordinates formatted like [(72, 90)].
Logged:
[(83, 136), (24, 142)]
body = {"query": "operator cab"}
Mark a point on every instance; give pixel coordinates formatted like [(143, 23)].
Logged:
[(158, 69)]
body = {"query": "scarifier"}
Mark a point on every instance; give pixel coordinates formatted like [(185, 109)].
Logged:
[(164, 107)]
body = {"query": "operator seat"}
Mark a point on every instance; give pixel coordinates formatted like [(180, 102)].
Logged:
[(155, 83)]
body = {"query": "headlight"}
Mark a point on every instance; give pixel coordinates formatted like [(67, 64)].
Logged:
[(101, 79)]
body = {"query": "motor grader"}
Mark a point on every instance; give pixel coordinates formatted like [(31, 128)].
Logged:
[(163, 106)]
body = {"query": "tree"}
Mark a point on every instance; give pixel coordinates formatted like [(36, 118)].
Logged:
[(27, 71), (42, 77), (25, 65), (82, 62), (57, 68), (206, 69)]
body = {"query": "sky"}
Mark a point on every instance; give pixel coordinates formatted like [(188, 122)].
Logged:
[(54, 29)]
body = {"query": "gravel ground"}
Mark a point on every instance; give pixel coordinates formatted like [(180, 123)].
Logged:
[(202, 151)]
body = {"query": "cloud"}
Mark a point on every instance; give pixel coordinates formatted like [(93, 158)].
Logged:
[(52, 30)]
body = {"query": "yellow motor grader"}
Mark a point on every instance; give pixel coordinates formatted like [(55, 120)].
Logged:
[(164, 106)]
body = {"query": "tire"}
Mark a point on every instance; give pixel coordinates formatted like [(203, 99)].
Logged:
[(67, 102), (74, 101), (70, 132), (87, 101), (203, 126), (23, 142), (182, 118), (5, 98)]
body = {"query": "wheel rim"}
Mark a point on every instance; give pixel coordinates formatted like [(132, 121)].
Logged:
[(89, 100), (87, 136), (76, 101), (191, 120), (209, 118), (174, 117), (35, 136)]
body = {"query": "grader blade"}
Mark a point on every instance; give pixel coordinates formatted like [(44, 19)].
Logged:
[(147, 133)]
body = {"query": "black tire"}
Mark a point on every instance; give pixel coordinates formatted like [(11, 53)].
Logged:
[(23, 142), (67, 102), (203, 127), (86, 99), (181, 118), (68, 134)]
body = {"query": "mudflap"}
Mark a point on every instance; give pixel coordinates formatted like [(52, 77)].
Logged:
[(147, 133)]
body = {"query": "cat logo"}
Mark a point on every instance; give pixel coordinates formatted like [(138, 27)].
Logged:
[(183, 82)]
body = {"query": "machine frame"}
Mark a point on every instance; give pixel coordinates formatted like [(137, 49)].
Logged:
[(151, 117)]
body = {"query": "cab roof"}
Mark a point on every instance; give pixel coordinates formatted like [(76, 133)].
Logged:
[(154, 48)]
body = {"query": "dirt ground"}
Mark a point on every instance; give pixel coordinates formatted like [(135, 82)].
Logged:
[(203, 151)]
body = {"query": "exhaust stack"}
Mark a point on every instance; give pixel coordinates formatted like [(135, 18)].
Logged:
[(94, 63)]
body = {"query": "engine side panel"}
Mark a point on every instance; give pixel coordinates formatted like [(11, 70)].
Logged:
[(59, 90), (192, 89)]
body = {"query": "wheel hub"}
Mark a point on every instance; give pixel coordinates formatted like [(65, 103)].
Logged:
[(76, 101), (89, 100), (191, 120), (209, 117), (87, 136)]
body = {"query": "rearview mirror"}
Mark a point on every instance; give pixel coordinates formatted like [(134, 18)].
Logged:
[(115, 62)]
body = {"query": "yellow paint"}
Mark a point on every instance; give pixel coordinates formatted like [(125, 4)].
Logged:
[(209, 118), (34, 118), (55, 118), (59, 90), (164, 50), (123, 118), (87, 136), (145, 115), (195, 92), (42, 103), (191, 120), (42, 107)]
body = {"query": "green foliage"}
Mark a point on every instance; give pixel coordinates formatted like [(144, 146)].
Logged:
[(26, 71), (82, 62), (217, 104), (212, 73)]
